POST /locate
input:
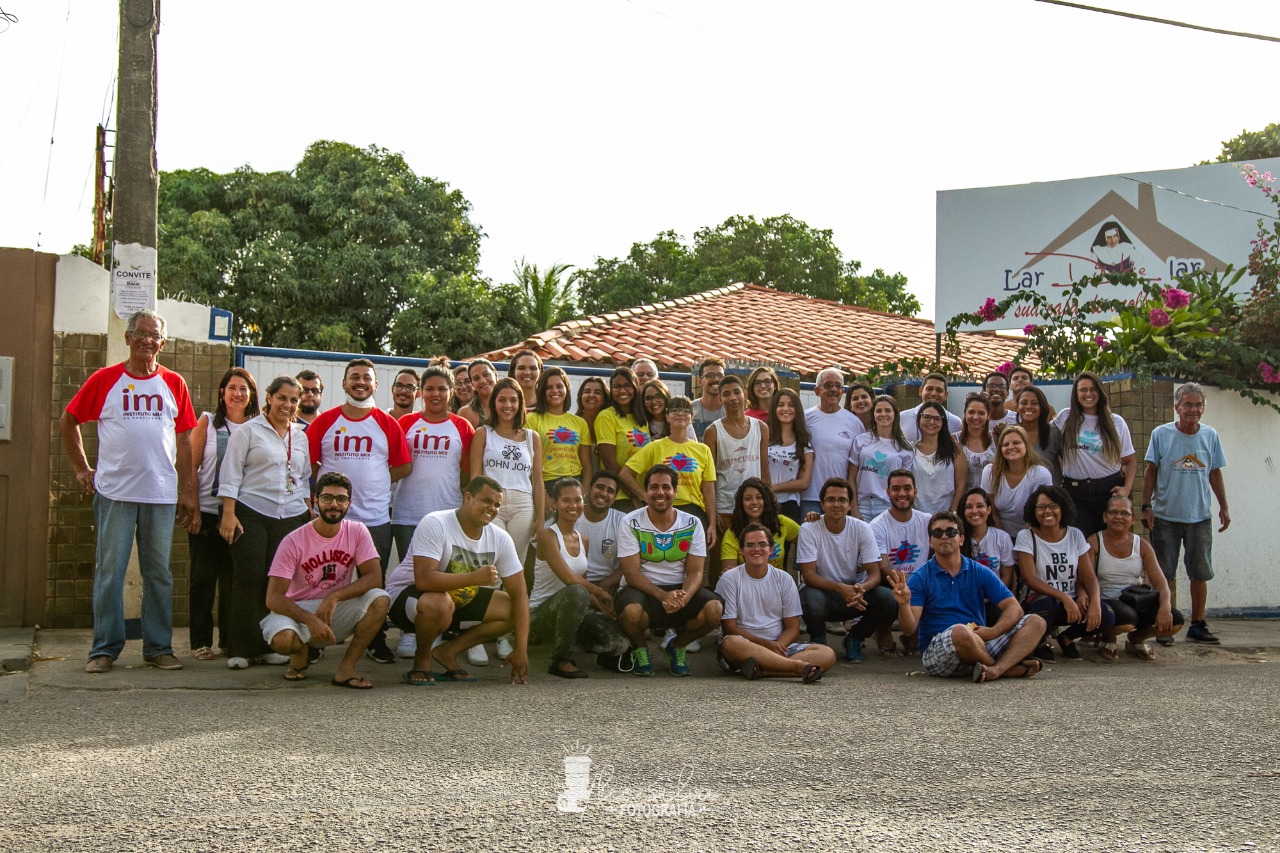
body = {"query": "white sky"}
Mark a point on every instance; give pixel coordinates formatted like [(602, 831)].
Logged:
[(578, 128)]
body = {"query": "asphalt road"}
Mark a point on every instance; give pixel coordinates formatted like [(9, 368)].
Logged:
[(1179, 755)]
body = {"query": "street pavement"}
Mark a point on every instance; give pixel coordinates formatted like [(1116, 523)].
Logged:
[(1178, 755)]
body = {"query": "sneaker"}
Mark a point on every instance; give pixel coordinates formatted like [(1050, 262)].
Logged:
[(408, 646), (379, 652), (1044, 652), (676, 663), (852, 649), (237, 663), (693, 648), (272, 659), (837, 628), (1165, 641), (640, 664), (477, 656), (1069, 650), (314, 654), (667, 638), (504, 647), (1199, 633), (165, 662), (101, 663)]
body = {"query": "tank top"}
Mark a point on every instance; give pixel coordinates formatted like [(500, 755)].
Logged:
[(784, 466), (978, 459), (1116, 573), (509, 462), (545, 582), (736, 460), (215, 447)]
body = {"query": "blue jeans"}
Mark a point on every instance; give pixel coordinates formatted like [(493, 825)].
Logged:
[(118, 523), (869, 506)]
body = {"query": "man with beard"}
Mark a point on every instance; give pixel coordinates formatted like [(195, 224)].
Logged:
[(312, 597), (902, 535), (312, 397), (403, 392), (932, 390)]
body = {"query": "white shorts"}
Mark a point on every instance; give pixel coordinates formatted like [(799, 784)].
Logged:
[(343, 623)]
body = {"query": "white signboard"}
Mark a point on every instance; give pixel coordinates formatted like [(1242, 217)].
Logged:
[(999, 241), (133, 278)]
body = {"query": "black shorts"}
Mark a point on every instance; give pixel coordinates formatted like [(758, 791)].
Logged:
[(472, 611), (659, 618)]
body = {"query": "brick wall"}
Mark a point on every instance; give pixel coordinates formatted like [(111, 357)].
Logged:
[(69, 584), (1143, 407)]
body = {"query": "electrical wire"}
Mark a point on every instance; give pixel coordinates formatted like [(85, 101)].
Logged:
[(1198, 198), (1155, 20), (57, 96)]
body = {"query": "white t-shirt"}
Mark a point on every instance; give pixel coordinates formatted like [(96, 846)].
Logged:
[(602, 557), (440, 537), (1056, 562), (839, 557), (876, 457), (1009, 418), (439, 452), (784, 466), (1011, 501), (365, 450), (935, 482), (905, 543), (545, 581), (759, 604), (908, 420), (1085, 461), (832, 435), (662, 552), (993, 550)]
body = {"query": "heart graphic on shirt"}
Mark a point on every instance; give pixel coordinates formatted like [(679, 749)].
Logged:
[(683, 464), (564, 435), (637, 438)]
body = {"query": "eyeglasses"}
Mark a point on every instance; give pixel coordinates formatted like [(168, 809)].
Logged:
[(329, 500), (926, 419), (1119, 513), (464, 381), (944, 532), (832, 386), (316, 391), (1042, 508), (621, 386), (712, 377), (747, 546), (686, 412), (760, 383), (835, 500), (147, 336), (400, 386)]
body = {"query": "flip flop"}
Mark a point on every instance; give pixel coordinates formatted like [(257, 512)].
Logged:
[(351, 683), (455, 675), (750, 669), (812, 673), (428, 681), (979, 673), (1030, 667), (295, 673), (204, 653)]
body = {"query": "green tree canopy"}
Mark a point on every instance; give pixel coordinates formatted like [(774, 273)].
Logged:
[(779, 251), (324, 256), (1252, 145), (460, 315), (546, 293)]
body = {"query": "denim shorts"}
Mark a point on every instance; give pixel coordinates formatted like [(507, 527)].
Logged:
[(1196, 542)]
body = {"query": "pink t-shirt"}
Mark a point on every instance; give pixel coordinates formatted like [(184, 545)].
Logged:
[(439, 451), (316, 565), (138, 421), (364, 450)]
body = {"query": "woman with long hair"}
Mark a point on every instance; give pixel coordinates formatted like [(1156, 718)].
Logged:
[(462, 393), (525, 367), (1055, 565), (1035, 415), (939, 465), (984, 541), (593, 396), (974, 438), (511, 454), (762, 384), (566, 439), (1011, 477), (755, 502), (483, 378), (876, 454), (790, 452), (655, 396), (210, 555), (264, 486), (622, 428), (859, 399), (1098, 459)]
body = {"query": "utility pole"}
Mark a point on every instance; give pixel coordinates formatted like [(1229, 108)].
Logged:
[(99, 245)]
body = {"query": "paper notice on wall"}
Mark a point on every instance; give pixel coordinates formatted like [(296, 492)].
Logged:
[(133, 278)]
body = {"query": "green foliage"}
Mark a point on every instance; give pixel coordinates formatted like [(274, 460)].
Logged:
[(781, 252), (547, 294), (1252, 145), (458, 314), (324, 256)]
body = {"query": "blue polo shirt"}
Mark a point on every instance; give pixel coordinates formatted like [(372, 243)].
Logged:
[(955, 600)]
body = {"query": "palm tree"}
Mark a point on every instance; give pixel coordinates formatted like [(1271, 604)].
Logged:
[(548, 294)]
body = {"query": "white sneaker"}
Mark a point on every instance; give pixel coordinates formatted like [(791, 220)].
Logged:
[(272, 659), (237, 663), (478, 656), (504, 648), (408, 646), (435, 644), (666, 638), (837, 628), (695, 646)]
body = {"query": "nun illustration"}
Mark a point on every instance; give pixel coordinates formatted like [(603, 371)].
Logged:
[(1111, 249)]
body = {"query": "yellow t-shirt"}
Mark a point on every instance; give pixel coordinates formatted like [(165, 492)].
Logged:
[(692, 461), (562, 435), (621, 432), (788, 531)]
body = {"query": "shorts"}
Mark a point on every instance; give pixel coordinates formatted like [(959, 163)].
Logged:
[(659, 618), (941, 659), (1167, 537), (343, 624), (736, 668), (404, 610)]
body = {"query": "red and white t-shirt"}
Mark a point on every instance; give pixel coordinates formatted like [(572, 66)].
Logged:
[(138, 418), (364, 450), (440, 454), (316, 565)]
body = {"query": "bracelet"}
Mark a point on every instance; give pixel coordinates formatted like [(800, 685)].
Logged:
[(1146, 506)]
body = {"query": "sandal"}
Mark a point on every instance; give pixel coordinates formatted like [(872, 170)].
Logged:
[(203, 653), (890, 652), (812, 673), (1109, 652), (1141, 651), (295, 673), (1029, 668), (750, 669), (411, 678)]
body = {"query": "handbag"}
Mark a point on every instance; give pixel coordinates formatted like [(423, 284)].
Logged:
[(1142, 597)]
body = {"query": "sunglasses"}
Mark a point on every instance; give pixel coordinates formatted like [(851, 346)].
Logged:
[(944, 532)]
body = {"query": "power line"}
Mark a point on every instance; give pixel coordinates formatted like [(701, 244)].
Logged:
[(1154, 20), (1198, 198)]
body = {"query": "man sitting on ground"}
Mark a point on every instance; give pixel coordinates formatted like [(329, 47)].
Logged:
[(761, 619), (946, 599), (312, 598)]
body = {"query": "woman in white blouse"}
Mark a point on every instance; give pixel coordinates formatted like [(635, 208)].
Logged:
[(1011, 477)]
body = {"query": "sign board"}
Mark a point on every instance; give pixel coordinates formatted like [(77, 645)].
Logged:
[(998, 241), (133, 278)]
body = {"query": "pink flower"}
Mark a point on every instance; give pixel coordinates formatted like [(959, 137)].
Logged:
[(1101, 341), (988, 310), (1269, 374), (1159, 319), (1029, 329), (1175, 298), (1005, 368)]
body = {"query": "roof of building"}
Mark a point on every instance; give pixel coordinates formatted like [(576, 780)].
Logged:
[(753, 323)]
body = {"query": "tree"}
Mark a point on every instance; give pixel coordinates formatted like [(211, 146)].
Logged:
[(460, 315), (1252, 145), (324, 256), (780, 252), (547, 294)]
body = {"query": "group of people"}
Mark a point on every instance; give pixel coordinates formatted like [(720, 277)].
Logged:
[(638, 515)]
